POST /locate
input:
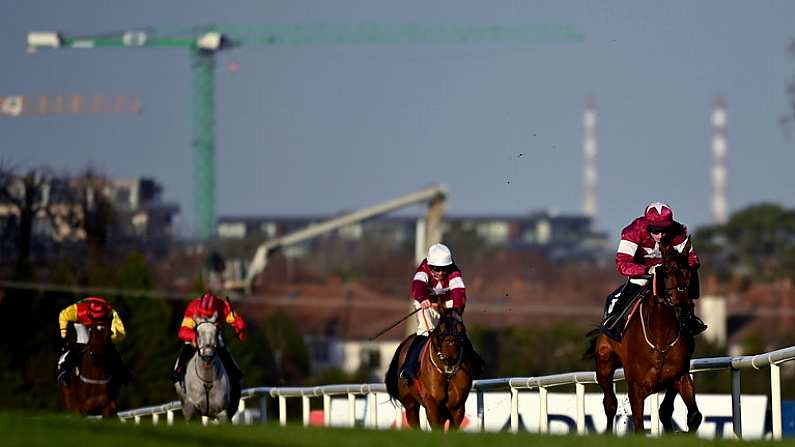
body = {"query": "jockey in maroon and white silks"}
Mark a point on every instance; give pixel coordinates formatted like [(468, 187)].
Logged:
[(437, 280), (638, 255), (639, 249)]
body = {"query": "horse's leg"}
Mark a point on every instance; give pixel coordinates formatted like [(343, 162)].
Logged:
[(636, 397), (412, 414), (222, 417), (109, 409), (688, 392), (606, 364), (187, 411), (434, 413), (667, 409), (457, 415)]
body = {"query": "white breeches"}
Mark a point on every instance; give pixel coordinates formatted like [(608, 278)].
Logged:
[(82, 334), (428, 318)]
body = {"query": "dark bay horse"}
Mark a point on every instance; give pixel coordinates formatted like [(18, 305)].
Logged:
[(654, 353), (445, 376), (94, 389)]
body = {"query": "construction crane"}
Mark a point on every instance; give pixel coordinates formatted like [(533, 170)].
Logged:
[(203, 43), (44, 105)]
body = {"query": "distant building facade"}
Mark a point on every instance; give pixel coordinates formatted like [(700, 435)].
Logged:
[(140, 216), (558, 237)]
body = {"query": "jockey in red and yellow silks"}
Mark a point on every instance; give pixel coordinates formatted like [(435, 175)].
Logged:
[(83, 315), (437, 283), (638, 255), (207, 306)]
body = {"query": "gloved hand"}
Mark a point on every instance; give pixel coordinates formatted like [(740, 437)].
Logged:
[(425, 304), (653, 268)]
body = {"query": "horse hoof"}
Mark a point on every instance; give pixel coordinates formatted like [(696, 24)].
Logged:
[(693, 421)]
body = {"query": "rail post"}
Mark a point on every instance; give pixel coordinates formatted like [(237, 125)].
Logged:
[(326, 410), (775, 399), (514, 410), (543, 419), (480, 424), (580, 392), (372, 405), (351, 410), (305, 409), (282, 411), (655, 414), (737, 413)]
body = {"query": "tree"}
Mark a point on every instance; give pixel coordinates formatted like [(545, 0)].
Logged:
[(290, 353), (757, 242), (89, 193), (26, 195)]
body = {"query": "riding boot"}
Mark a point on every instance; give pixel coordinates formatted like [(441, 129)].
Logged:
[(478, 365), (409, 371), (65, 367), (689, 323), (185, 354), (235, 374)]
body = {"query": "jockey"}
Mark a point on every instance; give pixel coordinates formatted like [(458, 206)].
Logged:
[(437, 282), (638, 255), (206, 306), (84, 314)]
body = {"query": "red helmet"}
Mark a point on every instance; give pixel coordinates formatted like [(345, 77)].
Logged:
[(659, 214), (206, 306), (98, 308)]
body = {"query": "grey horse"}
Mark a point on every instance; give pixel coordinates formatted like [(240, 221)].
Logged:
[(206, 390)]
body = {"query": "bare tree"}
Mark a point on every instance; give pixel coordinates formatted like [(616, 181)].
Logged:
[(26, 197), (90, 192)]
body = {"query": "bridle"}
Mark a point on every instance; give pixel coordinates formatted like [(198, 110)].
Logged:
[(447, 370), (93, 354), (664, 298), (206, 358)]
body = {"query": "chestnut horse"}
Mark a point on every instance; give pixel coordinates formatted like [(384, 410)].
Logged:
[(93, 390), (445, 376), (654, 352)]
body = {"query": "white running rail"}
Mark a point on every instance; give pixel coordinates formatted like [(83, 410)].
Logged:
[(772, 359)]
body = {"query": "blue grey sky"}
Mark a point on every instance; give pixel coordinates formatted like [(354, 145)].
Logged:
[(313, 130)]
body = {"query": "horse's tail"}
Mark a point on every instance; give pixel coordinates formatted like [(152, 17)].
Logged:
[(391, 378), (590, 352)]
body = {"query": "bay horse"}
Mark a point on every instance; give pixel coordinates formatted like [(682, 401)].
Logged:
[(206, 390), (654, 352), (445, 376), (93, 390)]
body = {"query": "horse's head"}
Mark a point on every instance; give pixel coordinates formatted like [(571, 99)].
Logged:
[(99, 337), (447, 339), (207, 336), (674, 275)]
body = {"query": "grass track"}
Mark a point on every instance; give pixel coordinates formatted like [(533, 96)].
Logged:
[(34, 430)]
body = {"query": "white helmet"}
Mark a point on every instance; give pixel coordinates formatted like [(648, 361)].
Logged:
[(439, 255)]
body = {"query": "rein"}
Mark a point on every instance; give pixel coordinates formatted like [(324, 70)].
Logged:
[(643, 323), (207, 361), (85, 379)]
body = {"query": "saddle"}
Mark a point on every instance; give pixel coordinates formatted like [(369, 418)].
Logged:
[(621, 307)]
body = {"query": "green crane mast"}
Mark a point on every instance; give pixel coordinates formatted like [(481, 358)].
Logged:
[(204, 42)]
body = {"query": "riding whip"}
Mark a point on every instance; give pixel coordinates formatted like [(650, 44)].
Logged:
[(394, 324)]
